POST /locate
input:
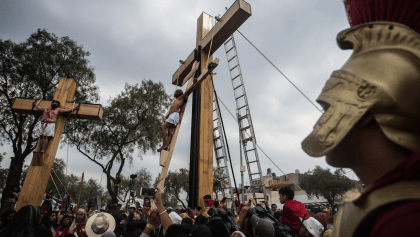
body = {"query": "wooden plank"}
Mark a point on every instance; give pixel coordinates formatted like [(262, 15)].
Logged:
[(201, 78), (205, 163), (183, 70), (37, 178), (237, 14), (86, 111)]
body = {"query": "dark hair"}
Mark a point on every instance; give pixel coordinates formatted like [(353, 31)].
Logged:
[(135, 227), (42, 232), (200, 220), (46, 220), (176, 231), (218, 228), (288, 192), (4, 216), (48, 190), (273, 205), (180, 91), (216, 204), (58, 102), (64, 217), (26, 220), (16, 186), (277, 214)]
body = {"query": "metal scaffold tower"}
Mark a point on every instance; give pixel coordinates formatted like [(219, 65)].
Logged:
[(246, 129)]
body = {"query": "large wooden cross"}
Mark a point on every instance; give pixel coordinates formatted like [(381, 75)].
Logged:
[(208, 40), (39, 171)]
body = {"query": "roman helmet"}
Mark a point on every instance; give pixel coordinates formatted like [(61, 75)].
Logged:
[(381, 77)]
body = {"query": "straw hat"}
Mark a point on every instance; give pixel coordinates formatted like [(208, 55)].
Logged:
[(99, 224)]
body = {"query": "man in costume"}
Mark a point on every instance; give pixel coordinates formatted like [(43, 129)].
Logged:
[(371, 122), (79, 224), (47, 124), (172, 117)]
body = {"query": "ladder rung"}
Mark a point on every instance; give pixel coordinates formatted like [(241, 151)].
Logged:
[(241, 107), (227, 41), (234, 67), (236, 77), (217, 148), (247, 139), (240, 96), (255, 174), (216, 138), (250, 150), (245, 128), (219, 158), (231, 58), (214, 129), (252, 161), (243, 117), (230, 49), (237, 87)]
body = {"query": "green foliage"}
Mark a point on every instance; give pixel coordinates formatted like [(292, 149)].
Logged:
[(131, 121), (176, 182), (143, 180), (217, 185), (322, 183), (32, 69)]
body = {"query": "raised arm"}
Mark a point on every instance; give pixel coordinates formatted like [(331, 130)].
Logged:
[(37, 106), (68, 110)]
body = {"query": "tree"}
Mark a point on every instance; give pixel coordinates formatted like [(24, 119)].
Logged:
[(132, 120), (143, 180), (217, 184), (322, 183), (32, 69), (177, 182)]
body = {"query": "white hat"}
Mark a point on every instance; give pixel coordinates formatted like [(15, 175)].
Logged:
[(132, 206), (176, 219), (313, 226), (100, 223)]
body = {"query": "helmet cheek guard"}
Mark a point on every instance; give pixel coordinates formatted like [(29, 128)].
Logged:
[(381, 77)]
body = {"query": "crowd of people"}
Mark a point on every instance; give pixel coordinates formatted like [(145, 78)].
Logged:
[(153, 218)]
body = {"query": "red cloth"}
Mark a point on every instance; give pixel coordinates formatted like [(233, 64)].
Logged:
[(65, 232), (402, 11), (292, 210), (80, 229), (398, 219), (209, 203)]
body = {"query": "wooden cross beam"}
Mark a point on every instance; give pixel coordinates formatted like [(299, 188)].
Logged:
[(235, 16), (208, 40), (39, 171)]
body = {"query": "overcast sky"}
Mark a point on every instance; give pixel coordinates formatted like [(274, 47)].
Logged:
[(134, 40)]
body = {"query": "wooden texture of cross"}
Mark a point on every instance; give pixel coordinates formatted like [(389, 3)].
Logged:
[(39, 171), (208, 40)]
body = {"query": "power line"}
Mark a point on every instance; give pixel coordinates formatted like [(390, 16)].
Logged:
[(282, 73)]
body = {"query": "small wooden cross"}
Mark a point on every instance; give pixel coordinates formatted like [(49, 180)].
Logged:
[(39, 171)]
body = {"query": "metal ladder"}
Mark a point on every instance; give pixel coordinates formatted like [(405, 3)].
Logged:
[(222, 171), (246, 129)]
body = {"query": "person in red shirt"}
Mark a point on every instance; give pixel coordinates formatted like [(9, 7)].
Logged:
[(292, 209)]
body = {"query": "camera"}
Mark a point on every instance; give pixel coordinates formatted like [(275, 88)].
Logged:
[(280, 229), (147, 192), (220, 214)]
